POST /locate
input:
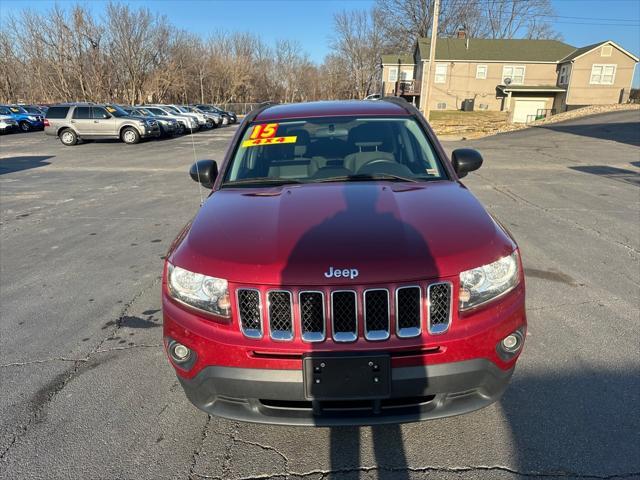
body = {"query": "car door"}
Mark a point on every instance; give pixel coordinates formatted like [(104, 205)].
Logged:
[(104, 123), (82, 121)]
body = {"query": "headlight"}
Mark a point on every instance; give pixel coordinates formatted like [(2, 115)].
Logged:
[(31, 117), (200, 291), (479, 285)]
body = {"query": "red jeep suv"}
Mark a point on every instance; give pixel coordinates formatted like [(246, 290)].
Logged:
[(339, 273)]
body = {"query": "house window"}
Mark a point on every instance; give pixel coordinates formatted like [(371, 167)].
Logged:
[(441, 73), (606, 51), (602, 74), (441, 106), (564, 71), (404, 75), (393, 74), (514, 72), (481, 72)]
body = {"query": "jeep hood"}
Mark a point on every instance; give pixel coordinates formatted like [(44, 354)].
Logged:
[(388, 231)]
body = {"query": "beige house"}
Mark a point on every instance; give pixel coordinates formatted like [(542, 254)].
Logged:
[(528, 78)]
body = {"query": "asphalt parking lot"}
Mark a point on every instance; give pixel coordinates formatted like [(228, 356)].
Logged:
[(87, 393)]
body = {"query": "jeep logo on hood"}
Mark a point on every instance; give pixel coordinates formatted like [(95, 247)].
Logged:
[(342, 272)]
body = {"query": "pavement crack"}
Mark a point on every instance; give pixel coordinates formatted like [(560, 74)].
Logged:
[(123, 313), (550, 211), (199, 447), (48, 392), (432, 469), (84, 359), (44, 360), (265, 447)]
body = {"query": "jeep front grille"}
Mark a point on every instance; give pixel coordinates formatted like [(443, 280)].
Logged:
[(376, 314), (314, 310), (312, 317), (250, 311), (280, 315), (344, 315), (439, 305), (408, 311)]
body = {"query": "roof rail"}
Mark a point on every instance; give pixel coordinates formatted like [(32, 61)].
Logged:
[(402, 102), (256, 111)]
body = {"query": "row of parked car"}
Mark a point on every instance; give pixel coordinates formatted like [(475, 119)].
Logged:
[(74, 122), (21, 118)]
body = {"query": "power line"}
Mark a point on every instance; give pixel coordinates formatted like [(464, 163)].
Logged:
[(486, 3)]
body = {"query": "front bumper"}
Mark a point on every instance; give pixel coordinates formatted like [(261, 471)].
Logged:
[(150, 132), (277, 396), (8, 127)]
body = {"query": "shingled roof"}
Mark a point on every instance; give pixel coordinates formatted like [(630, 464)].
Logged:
[(393, 58), (505, 50)]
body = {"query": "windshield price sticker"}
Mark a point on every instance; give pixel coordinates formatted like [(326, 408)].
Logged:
[(265, 134), (110, 109)]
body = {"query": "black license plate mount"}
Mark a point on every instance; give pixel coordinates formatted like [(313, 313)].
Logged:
[(342, 377)]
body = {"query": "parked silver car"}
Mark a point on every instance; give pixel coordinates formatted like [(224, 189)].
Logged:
[(189, 121), (168, 126), (214, 120), (8, 124), (78, 121)]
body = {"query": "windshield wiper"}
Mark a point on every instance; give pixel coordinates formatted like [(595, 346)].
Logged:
[(360, 177), (260, 181)]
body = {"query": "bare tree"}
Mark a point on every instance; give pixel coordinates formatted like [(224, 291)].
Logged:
[(358, 40), (512, 18), (403, 21)]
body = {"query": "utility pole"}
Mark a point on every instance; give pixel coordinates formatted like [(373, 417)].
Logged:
[(432, 55)]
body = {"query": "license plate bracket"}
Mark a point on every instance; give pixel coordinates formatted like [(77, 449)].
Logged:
[(347, 377)]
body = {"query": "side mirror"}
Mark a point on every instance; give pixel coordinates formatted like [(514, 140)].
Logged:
[(204, 172), (465, 160)]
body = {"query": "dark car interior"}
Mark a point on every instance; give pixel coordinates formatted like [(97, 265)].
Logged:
[(325, 149)]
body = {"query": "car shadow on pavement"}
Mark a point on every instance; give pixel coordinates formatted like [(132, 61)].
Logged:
[(17, 164), (624, 132), (579, 424), (613, 173), (363, 230)]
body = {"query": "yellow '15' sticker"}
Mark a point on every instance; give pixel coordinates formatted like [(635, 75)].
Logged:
[(265, 134)]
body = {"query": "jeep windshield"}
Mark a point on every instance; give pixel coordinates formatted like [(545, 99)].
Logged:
[(338, 149)]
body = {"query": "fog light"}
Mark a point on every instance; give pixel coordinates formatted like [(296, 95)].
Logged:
[(180, 353), (511, 343)]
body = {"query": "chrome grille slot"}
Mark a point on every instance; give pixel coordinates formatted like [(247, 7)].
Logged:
[(439, 307), (376, 314), (344, 315), (280, 315), (250, 311), (312, 317), (408, 311)]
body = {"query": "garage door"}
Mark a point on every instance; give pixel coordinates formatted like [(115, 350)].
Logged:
[(524, 108)]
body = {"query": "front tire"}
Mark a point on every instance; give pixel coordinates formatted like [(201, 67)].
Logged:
[(68, 137), (25, 127), (130, 136)]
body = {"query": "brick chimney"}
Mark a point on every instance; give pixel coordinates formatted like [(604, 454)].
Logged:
[(461, 33)]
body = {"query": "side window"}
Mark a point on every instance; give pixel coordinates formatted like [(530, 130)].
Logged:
[(4, 111), (82, 113), (441, 73), (99, 113)]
